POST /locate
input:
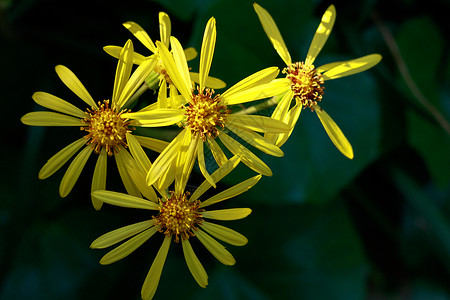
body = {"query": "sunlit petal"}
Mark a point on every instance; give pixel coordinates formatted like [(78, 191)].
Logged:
[(151, 143), (321, 35), (216, 151), (216, 249), (271, 29), (224, 234), (49, 118), (190, 53), (124, 200), (258, 123), (57, 104), (138, 153), (123, 72), (165, 28), (202, 164), (122, 160), (211, 82), (207, 51), (351, 67), (75, 85), (118, 235), (180, 61), (74, 171), (227, 214), (114, 51), (157, 117), (267, 90), (194, 265), (291, 120), (99, 177), (141, 35)]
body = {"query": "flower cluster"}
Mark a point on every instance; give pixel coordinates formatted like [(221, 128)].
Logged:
[(207, 121)]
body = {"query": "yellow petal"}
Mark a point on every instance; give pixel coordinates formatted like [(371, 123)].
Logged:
[(353, 66), (291, 120), (124, 200), (246, 156), (152, 279), (49, 118), (256, 140), (180, 61), (335, 133), (165, 159), (321, 35), (207, 51), (128, 247), (118, 235), (273, 33), (194, 265), (185, 161), (164, 28), (267, 90), (258, 123), (173, 71), (227, 214), (114, 51), (135, 81), (162, 101), (99, 177), (75, 85), (157, 117), (215, 248), (217, 152), (74, 171), (60, 158), (283, 106), (190, 53), (123, 72), (224, 234), (220, 173), (141, 35), (211, 82), (52, 102), (202, 164), (138, 153), (122, 160), (151, 143), (256, 79), (232, 191)]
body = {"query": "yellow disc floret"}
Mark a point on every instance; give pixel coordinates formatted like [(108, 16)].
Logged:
[(106, 128), (306, 83), (178, 216), (206, 114)]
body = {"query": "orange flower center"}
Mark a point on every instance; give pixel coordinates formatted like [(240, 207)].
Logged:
[(205, 114), (178, 216), (306, 83), (106, 129)]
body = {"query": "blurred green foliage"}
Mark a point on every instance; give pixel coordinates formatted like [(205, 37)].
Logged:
[(322, 227)]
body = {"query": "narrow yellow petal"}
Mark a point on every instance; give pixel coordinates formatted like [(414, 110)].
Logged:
[(211, 82), (141, 35), (123, 72), (258, 123), (114, 51), (151, 143), (190, 53), (351, 67), (74, 171), (267, 90), (135, 81), (216, 151), (227, 214), (165, 28), (246, 156), (224, 234), (157, 117), (291, 120), (49, 118), (207, 51), (180, 61), (256, 140), (162, 101), (138, 153), (335, 133), (216, 249), (152, 279), (165, 159), (57, 104), (118, 235), (99, 177), (121, 162), (75, 85), (232, 191), (261, 77), (128, 247), (220, 173), (185, 161), (124, 200), (60, 158), (271, 29), (194, 265), (202, 164), (283, 106), (173, 71), (321, 35)]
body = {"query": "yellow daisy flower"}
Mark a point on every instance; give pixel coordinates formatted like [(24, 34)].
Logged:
[(306, 82), (206, 116), (181, 217), (159, 74), (106, 131)]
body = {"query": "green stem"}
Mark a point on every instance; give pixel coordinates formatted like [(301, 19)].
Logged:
[(136, 95)]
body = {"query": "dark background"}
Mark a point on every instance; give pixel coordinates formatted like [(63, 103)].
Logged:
[(322, 227)]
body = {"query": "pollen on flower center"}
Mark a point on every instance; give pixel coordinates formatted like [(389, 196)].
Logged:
[(178, 216), (306, 83), (106, 128), (205, 114)]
